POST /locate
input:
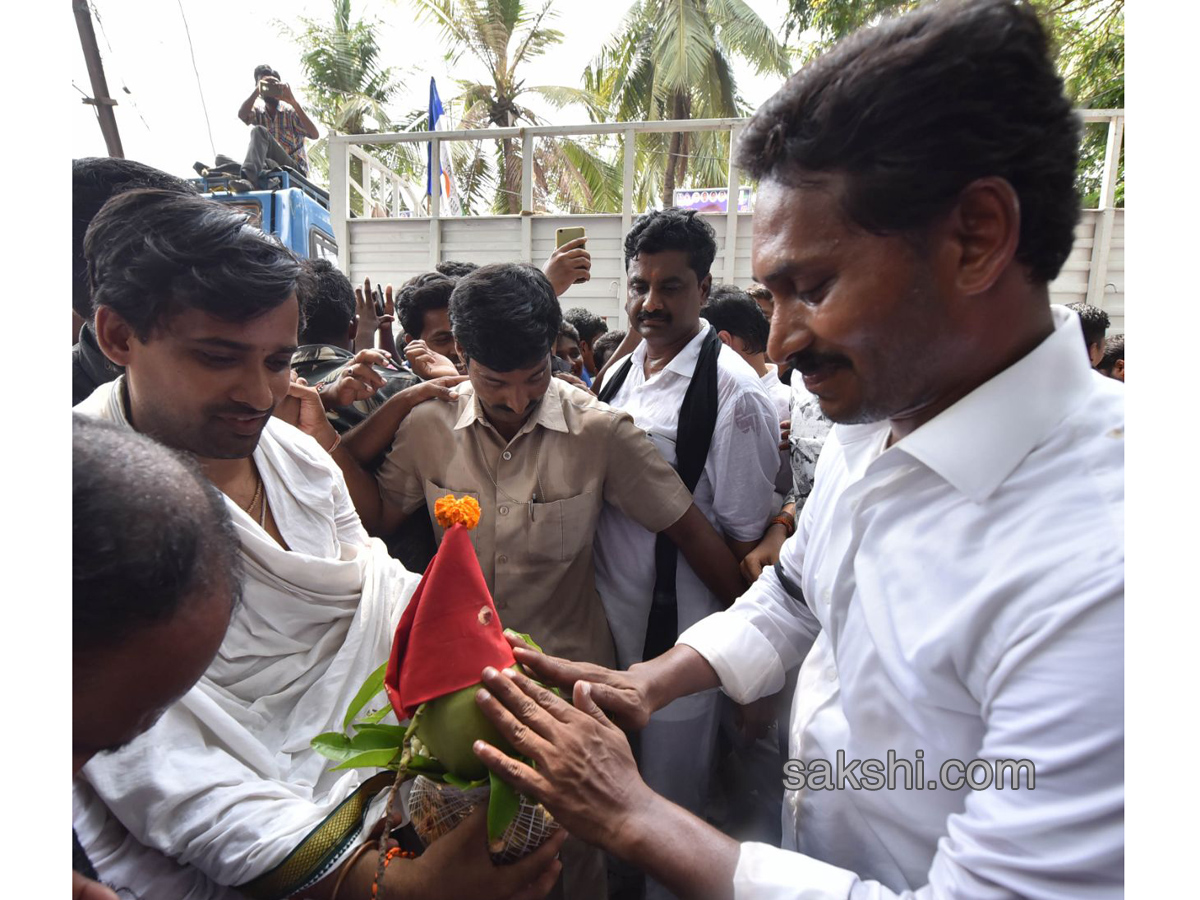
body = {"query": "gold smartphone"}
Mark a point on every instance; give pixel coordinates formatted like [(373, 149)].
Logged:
[(566, 235)]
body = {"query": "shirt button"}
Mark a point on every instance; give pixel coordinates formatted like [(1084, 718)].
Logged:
[(504, 510), (506, 455), (831, 674), (503, 559)]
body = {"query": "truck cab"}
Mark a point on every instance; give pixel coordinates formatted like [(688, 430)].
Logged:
[(296, 212)]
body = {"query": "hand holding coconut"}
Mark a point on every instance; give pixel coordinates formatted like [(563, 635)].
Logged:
[(447, 634), (584, 773)]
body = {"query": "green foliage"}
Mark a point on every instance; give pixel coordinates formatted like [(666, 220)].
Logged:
[(348, 91), (372, 687), (503, 804), (503, 35), (672, 59)]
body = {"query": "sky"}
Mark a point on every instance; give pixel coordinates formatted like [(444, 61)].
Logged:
[(163, 85)]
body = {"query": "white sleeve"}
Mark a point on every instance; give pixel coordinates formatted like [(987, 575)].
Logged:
[(766, 632), (743, 461), (1055, 697)]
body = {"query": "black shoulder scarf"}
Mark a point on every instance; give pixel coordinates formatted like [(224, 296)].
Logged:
[(697, 419)]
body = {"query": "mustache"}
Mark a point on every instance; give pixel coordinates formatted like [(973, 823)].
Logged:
[(653, 317), (808, 361)]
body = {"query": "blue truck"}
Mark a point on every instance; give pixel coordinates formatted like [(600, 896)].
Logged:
[(296, 212)]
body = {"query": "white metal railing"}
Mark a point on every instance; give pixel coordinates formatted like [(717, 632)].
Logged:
[(344, 146)]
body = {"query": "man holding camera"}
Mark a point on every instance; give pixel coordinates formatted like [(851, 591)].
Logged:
[(278, 127)]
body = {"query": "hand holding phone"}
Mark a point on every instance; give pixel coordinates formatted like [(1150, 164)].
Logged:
[(570, 263)]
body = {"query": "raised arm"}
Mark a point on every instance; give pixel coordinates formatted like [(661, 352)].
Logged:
[(310, 128), (248, 105)]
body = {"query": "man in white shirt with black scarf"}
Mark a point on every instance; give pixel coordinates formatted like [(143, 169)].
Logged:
[(706, 410), (954, 592)]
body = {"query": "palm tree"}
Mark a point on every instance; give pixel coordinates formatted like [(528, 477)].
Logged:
[(502, 35), (672, 59), (349, 91)]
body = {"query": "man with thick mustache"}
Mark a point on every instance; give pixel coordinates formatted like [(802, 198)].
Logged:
[(705, 409)]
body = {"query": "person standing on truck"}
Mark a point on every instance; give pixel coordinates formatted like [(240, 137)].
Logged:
[(278, 127)]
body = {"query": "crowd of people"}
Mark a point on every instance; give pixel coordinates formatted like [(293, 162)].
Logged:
[(867, 507)]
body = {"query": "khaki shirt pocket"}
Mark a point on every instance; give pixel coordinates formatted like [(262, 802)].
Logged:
[(433, 493), (560, 530)]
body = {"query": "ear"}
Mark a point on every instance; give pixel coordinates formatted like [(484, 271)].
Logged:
[(463, 356), (1119, 369), (726, 338), (705, 284), (114, 335), (984, 229), (352, 331)]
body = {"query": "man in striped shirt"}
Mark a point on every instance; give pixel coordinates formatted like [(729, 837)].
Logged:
[(278, 127)]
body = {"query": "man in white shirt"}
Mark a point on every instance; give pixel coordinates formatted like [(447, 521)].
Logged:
[(224, 796), (955, 587), (741, 324), (650, 595)]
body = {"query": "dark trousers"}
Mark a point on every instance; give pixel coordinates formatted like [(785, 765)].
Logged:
[(263, 147)]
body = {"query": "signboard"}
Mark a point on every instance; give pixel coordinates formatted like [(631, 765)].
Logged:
[(714, 199)]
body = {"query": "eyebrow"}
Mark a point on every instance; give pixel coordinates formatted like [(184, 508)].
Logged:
[(791, 268), (224, 344)]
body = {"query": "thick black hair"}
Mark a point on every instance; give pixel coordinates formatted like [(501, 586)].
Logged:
[(731, 309), (605, 345), (94, 179), (588, 324), (260, 71), (329, 306), (673, 229), (152, 254), (418, 296), (505, 316), (149, 534), (1094, 320), (914, 109), (456, 269), (1114, 349), (566, 329)]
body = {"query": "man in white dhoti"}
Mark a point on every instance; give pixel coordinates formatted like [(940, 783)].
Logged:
[(954, 591), (225, 791)]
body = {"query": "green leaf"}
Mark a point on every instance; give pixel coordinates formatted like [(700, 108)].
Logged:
[(391, 733), (372, 686), (503, 803), (378, 716), (452, 779), (426, 765), (371, 759), (333, 745)]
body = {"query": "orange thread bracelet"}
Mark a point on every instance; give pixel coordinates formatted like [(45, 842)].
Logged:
[(387, 858)]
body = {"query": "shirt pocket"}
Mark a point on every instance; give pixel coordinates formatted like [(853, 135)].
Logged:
[(561, 529), (433, 493)]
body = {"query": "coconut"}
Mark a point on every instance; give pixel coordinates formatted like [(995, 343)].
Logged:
[(449, 727)]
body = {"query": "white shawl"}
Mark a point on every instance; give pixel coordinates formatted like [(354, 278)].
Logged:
[(226, 781)]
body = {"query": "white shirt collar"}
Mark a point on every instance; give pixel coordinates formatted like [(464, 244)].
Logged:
[(684, 363), (981, 439)]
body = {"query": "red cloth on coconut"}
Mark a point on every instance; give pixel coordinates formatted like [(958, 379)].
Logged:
[(449, 631)]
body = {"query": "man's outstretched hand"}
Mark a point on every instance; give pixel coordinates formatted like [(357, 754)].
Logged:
[(623, 695), (585, 773)]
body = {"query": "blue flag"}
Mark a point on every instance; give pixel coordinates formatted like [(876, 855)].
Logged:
[(439, 121)]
